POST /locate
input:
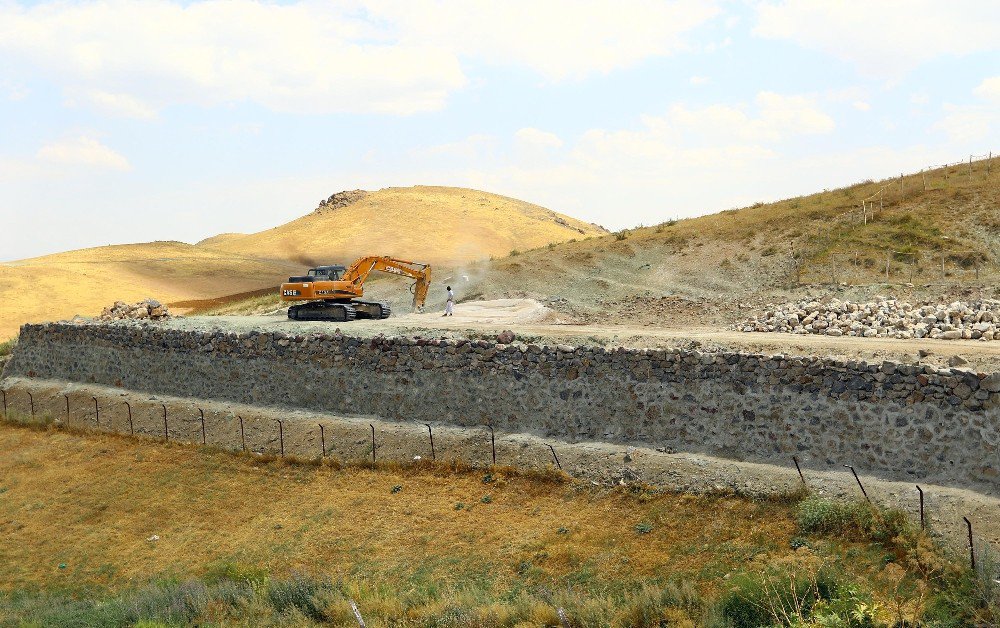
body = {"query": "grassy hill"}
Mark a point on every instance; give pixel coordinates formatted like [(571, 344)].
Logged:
[(84, 281), (423, 223), (814, 239), (697, 270), (182, 535)]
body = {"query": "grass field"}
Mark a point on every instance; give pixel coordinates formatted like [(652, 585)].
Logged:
[(106, 530)]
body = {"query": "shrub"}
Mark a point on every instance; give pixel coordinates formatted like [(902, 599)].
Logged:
[(300, 593), (857, 520), (774, 598), (621, 235), (7, 347)]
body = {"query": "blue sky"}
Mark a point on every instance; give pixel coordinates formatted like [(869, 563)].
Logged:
[(142, 120)]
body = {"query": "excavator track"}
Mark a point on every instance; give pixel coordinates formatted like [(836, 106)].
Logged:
[(322, 311), (372, 309)]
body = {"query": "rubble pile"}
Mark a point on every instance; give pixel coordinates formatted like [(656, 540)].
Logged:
[(885, 318), (148, 309)]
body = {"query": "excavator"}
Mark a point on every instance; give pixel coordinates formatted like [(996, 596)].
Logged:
[(333, 293)]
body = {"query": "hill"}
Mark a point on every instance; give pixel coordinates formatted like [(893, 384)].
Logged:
[(424, 223), (84, 281), (938, 229)]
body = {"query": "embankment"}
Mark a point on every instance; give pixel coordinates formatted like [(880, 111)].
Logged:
[(900, 421)]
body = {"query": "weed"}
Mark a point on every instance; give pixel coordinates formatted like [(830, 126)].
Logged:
[(397, 488), (621, 235), (7, 346), (644, 527), (514, 253), (486, 499)]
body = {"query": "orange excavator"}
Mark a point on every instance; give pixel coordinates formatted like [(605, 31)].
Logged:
[(333, 293)]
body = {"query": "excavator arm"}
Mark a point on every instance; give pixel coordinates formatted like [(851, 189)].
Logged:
[(358, 273)]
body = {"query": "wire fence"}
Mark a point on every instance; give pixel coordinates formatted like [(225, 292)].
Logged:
[(190, 430), (900, 262)]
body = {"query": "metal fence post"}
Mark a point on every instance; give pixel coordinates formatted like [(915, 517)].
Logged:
[(553, 450), (243, 434), (371, 425), (67, 407), (322, 440), (166, 432), (281, 436), (921, 491), (201, 415), (131, 428), (493, 444), (4, 402), (97, 413), (795, 459), (863, 491), (31, 400), (431, 433), (972, 548)]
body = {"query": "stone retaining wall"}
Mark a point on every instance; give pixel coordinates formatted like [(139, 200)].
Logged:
[(901, 421)]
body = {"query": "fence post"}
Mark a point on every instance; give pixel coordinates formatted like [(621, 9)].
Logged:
[(243, 434), (972, 548), (553, 450), (431, 434), (4, 402), (131, 429), (357, 615), (493, 444), (921, 491), (67, 407), (97, 413), (942, 266), (795, 459), (923, 175), (201, 414), (373, 441), (863, 491), (322, 440), (166, 432), (281, 436), (31, 400)]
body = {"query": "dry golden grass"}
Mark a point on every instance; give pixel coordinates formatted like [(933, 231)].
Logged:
[(423, 223), (83, 282), (92, 502)]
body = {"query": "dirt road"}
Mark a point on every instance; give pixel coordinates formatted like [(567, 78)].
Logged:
[(533, 322)]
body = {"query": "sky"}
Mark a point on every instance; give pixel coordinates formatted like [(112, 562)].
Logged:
[(128, 121)]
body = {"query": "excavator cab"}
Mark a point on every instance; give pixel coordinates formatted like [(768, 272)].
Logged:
[(327, 273)]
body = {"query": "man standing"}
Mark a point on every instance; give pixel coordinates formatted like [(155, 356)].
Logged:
[(449, 306)]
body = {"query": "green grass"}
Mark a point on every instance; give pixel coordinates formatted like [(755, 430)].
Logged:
[(7, 347)]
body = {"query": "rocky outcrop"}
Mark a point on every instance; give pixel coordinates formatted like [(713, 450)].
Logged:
[(886, 318), (341, 199)]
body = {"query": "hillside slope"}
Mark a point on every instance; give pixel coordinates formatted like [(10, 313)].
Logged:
[(84, 281), (939, 232), (425, 223)]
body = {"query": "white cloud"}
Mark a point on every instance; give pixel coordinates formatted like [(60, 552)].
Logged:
[(83, 151), (861, 105), (920, 98), (888, 38), (778, 116), (698, 80), (989, 89), (969, 124), (133, 57), (535, 138), (476, 146), (115, 104), (559, 39)]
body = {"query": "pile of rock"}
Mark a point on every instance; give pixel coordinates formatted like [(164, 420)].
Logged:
[(885, 318), (149, 309)]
